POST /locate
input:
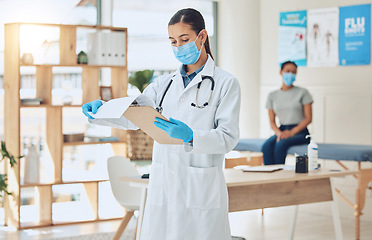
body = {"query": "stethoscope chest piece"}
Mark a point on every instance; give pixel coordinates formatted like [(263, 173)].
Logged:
[(159, 109)]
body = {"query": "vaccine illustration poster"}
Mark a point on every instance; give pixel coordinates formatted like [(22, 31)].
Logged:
[(322, 37), (292, 37), (355, 35)]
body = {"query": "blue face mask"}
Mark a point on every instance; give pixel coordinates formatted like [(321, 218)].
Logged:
[(289, 78), (187, 54)]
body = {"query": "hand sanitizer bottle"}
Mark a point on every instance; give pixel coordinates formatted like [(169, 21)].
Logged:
[(312, 153)]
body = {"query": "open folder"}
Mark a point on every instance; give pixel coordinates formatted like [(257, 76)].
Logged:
[(144, 118), (116, 113)]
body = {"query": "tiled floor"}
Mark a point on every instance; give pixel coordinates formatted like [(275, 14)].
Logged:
[(274, 224), (64, 231), (314, 221)]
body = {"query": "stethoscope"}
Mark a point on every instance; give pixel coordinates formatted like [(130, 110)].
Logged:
[(160, 108)]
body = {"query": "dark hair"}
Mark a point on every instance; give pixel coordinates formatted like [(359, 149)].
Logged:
[(193, 18), (287, 62)]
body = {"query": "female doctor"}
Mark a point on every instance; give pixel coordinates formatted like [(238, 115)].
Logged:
[(187, 194)]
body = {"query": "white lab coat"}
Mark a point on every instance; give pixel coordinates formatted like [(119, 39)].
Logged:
[(187, 195)]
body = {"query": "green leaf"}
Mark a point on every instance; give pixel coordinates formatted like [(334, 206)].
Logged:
[(3, 184), (141, 79), (6, 154), (12, 161), (3, 177)]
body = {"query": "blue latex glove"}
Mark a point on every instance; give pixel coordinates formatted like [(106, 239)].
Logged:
[(91, 107), (175, 129)]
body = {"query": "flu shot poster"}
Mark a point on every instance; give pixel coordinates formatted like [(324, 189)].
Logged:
[(355, 35), (292, 37)]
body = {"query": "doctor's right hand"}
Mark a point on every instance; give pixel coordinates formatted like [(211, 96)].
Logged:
[(91, 107)]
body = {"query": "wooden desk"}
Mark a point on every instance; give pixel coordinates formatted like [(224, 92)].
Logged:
[(248, 191)]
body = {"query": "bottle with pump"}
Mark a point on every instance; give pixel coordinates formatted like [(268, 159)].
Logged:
[(312, 153), (32, 171)]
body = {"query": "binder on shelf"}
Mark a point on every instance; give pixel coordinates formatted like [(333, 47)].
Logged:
[(119, 44), (96, 48), (110, 41), (106, 48), (93, 48), (115, 49), (122, 49)]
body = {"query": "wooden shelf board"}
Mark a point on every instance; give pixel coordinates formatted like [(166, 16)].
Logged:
[(67, 106), (82, 181), (59, 223), (48, 105), (91, 143), (29, 225), (72, 26), (62, 183), (35, 106), (71, 65), (38, 106)]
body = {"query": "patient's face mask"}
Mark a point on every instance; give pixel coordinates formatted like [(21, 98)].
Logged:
[(289, 78), (188, 54)]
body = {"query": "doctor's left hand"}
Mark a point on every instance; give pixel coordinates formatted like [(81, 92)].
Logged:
[(175, 129)]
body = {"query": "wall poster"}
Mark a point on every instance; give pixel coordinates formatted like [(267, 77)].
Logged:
[(292, 37), (355, 35), (322, 37)]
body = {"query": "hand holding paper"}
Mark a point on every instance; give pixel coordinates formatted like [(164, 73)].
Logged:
[(121, 113), (91, 107), (175, 129), (113, 108)]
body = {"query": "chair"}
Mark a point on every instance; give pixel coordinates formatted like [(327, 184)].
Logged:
[(128, 197)]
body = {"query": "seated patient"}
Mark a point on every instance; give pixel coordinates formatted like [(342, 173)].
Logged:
[(292, 105)]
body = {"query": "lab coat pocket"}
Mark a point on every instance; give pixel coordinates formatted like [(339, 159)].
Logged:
[(203, 188), (155, 190), (207, 115)]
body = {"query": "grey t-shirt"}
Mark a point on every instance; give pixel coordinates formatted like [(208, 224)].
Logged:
[(288, 105)]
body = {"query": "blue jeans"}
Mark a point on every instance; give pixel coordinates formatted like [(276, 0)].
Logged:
[(275, 152)]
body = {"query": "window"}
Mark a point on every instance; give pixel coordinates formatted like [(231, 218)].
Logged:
[(147, 23)]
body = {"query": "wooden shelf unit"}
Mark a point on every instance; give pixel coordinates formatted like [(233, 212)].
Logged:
[(54, 118)]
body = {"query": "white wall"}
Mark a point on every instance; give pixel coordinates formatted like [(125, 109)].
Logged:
[(248, 48), (239, 54), (342, 109), (342, 95)]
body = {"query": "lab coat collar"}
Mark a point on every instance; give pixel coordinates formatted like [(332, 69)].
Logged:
[(208, 70)]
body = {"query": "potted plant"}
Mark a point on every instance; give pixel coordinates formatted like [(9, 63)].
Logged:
[(140, 145), (3, 177), (141, 79)]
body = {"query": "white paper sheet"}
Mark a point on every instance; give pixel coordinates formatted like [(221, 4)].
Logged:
[(113, 108), (267, 168), (116, 107), (111, 113)]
